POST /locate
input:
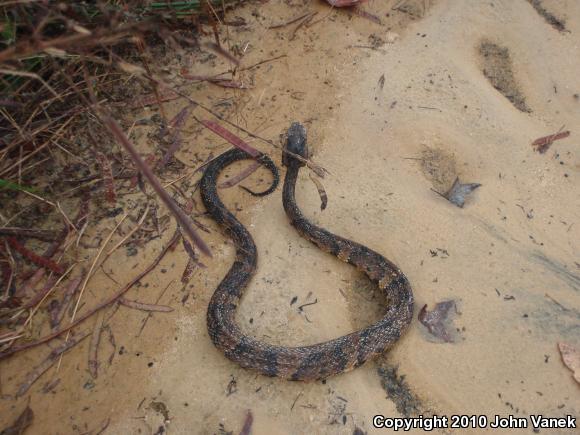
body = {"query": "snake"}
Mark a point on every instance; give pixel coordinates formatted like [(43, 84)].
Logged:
[(301, 363)]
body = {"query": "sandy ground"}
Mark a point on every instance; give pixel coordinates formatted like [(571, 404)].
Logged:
[(510, 258)]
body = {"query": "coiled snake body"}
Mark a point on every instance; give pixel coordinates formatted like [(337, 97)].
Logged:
[(304, 363)]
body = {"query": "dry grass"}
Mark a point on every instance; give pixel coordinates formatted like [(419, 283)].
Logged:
[(66, 68)]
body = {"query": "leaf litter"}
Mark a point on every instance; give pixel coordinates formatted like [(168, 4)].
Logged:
[(438, 321), (458, 192), (544, 143)]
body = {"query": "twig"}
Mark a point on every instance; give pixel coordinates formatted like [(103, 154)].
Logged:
[(263, 62), (301, 307), (287, 23), (136, 305), (295, 400), (150, 314)]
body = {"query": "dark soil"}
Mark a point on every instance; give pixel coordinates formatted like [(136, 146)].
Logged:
[(553, 21), (498, 68)]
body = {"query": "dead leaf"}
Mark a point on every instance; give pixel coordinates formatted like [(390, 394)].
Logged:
[(364, 14), (22, 422), (192, 254), (321, 192), (247, 428), (436, 321), (188, 271), (458, 192), (571, 359), (544, 143)]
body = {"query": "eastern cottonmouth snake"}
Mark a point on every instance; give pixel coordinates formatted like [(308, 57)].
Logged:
[(304, 363)]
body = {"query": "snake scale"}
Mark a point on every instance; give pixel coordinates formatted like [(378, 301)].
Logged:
[(303, 363)]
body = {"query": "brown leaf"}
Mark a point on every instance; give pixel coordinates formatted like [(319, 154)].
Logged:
[(458, 192), (364, 14), (191, 252), (321, 192), (22, 422), (247, 428), (571, 358), (188, 271), (230, 137), (436, 321), (544, 143)]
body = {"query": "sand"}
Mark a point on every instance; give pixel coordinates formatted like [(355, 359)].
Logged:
[(509, 258)]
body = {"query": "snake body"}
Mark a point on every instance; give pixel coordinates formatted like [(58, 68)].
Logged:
[(303, 363)]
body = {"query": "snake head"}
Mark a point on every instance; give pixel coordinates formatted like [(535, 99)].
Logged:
[(295, 144)]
